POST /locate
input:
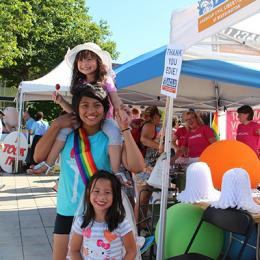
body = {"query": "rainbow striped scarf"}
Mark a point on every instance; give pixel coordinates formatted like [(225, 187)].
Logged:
[(83, 156)]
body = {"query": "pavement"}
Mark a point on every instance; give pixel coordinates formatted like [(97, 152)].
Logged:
[(27, 215)]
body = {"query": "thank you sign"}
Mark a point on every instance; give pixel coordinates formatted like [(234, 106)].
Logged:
[(172, 69)]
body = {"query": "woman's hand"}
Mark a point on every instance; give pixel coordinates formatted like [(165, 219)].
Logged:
[(68, 120), (123, 117)]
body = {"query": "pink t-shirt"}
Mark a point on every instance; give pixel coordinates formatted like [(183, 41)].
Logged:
[(197, 141), (248, 134), (181, 133), (110, 87)]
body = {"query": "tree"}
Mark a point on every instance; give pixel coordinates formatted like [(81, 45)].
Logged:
[(35, 35)]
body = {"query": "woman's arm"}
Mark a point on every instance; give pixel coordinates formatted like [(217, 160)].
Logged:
[(132, 158), (45, 144), (75, 246), (130, 246), (147, 135)]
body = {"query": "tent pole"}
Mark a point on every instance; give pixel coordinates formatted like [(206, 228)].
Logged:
[(20, 100), (165, 182)]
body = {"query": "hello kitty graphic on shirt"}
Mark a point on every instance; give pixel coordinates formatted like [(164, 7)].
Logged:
[(97, 248)]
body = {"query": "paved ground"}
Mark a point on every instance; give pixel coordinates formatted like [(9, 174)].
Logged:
[(27, 213)]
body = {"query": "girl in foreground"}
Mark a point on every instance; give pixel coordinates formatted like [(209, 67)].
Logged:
[(102, 232)]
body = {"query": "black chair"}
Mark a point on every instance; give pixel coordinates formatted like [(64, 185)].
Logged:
[(150, 219), (230, 220)]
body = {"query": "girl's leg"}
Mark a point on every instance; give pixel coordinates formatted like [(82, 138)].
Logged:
[(51, 159), (60, 246)]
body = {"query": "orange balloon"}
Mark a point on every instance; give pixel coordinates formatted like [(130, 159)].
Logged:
[(227, 154)]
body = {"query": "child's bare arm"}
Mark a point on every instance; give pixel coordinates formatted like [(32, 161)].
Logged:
[(58, 98), (75, 246), (130, 246)]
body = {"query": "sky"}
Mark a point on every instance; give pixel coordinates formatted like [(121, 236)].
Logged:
[(137, 26)]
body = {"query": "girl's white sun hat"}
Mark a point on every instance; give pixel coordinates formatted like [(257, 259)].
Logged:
[(90, 46)]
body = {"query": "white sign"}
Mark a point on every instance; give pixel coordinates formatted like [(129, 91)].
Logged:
[(9, 150), (172, 69)]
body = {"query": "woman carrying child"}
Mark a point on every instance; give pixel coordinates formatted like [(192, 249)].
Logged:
[(85, 148), (89, 64)]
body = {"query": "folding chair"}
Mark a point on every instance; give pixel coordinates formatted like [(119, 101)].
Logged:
[(149, 219), (231, 220)]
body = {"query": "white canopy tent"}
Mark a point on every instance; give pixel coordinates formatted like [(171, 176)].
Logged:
[(42, 88)]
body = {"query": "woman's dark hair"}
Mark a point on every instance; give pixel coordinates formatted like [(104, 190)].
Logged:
[(78, 77), (116, 213), (150, 112), (246, 109), (92, 91), (39, 116)]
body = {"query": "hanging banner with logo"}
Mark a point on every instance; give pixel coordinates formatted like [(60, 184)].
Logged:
[(172, 69), (9, 151), (208, 17), (233, 122), (211, 12)]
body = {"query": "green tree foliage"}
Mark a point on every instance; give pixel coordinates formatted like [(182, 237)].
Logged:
[(50, 110), (36, 34)]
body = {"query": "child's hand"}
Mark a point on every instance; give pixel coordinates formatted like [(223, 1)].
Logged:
[(57, 98)]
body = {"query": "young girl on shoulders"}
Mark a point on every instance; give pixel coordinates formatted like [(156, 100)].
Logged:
[(90, 64), (102, 232)]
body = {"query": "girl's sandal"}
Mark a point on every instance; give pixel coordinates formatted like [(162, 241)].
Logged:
[(42, 167)]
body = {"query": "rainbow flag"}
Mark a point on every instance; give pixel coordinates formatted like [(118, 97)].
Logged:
[(214, 125), (83, 156)]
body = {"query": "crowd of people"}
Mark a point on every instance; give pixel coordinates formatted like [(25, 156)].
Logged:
[(102, 159)]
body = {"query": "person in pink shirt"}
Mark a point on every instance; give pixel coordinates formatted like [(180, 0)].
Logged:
[(198, 138), (248, 131), (178, 141)]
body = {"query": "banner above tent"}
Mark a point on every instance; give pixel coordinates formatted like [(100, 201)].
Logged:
[(188, 29)]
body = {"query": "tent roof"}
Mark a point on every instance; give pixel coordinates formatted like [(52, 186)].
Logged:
[(237, 83), (41, 88)]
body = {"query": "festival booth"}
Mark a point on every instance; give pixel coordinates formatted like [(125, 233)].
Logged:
[(188, 28)]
